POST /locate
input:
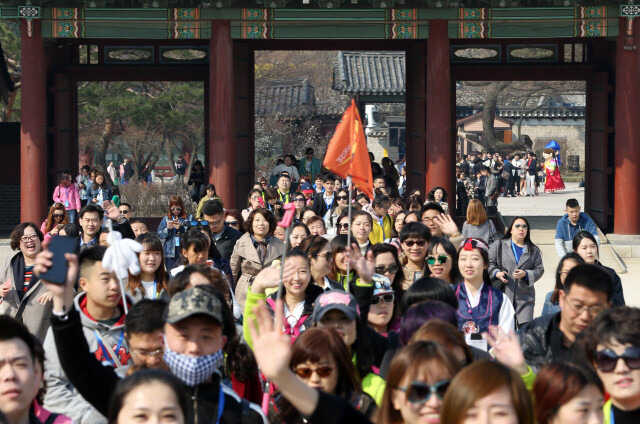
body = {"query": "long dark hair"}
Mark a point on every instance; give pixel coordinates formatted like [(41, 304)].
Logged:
[(338, 245), (312, 246), (396, 284), (454, 274), (527, 238), (555, 296), (577, 239), (315, 345)]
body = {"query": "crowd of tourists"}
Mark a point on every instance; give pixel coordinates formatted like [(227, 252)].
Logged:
[(391, 312)]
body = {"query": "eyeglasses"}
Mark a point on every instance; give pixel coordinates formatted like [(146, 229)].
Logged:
[(523, 226), (176, 208), (342, 197), (391, 269), (306, 372), (343, 226), (146, 353), (26, 239), (299, 199), (420, 243), (327, 256), (255, 199), (431, 260), (213, 223), (593, 310), (58, 215), (419, 392), (606, 360), (232, 223), (426, 219), (198, 223), (386, 298)]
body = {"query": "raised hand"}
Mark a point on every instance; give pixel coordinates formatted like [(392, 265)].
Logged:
[(269, 277), (271, 347), (364, 267), (447, 224), (505, 347)]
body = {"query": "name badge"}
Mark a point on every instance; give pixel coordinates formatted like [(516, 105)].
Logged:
[(66, 203), (177, 241)]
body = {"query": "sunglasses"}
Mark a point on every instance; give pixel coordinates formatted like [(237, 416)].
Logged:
[(198, 223), (523, 226), (124, 211), (391, 269), (176, 208), (342, 197), (232, 223), (343, 226), (420, 243), (58, 215), (419, 392), (386, 298), (305, 372), (431, 260), (606, 360)]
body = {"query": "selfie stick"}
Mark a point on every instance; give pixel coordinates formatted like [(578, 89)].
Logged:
[(287, 220)]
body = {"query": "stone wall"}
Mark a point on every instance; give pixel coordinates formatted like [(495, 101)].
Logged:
[(571, 138)]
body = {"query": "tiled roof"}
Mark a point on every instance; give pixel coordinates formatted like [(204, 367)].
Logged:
[(289, 98), (370, 73)]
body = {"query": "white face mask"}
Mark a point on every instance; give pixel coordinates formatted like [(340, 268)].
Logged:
[(193, 370)]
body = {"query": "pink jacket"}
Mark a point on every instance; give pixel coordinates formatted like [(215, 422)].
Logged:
[(42, 414), (62, 194)]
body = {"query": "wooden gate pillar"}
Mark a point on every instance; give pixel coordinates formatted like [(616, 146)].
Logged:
[(33, 135), (627, 132), (440, 146), (222, 151)]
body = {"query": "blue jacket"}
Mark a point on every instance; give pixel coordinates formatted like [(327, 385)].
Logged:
[(169, 236), (565, 231), (93, 194)]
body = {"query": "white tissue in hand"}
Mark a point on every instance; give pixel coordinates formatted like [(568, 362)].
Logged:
[(122, 255)]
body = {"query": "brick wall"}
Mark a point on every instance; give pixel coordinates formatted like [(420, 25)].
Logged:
[(10, 198)]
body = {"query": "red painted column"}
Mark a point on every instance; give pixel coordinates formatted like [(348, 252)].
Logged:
[(440, 146), (33, 142), (221, 156), (627, 132)]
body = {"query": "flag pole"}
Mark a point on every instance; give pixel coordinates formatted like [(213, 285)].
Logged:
[(349, 226)]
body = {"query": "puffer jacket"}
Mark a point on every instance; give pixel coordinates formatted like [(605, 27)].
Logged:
[(35, 316), (246, 264), (61, 396)]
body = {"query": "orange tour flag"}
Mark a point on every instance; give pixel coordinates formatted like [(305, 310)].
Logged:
[(347, 154)]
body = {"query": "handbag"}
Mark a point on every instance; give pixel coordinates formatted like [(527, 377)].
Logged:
[(506, 175), (495, 281)]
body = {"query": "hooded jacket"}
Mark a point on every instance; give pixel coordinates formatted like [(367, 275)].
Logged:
[(62, 397), (565, 231), (34, 315), (85, 370)]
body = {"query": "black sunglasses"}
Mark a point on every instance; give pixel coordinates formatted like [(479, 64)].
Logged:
[(232, 223), (343, 226), (420, 243), (419, 392), (342, 197), (391, 269), (386, 298), (58, 215), (606, 360)]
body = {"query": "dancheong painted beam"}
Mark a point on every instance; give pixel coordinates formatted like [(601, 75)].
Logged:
[(328, 19)]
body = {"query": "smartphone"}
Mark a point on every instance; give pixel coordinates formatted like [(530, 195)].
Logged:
[(60, 245)]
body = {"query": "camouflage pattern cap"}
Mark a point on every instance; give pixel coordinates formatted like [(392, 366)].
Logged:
[(193, 301)]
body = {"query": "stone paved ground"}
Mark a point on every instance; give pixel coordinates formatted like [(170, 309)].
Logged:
[(543, 212)]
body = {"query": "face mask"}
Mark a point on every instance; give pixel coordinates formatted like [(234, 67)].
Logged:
[(193, 370)]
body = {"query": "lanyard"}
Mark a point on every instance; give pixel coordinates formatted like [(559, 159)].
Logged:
[(220, 404), (381, 222), (515, 253), (155, 289), (104, 349)]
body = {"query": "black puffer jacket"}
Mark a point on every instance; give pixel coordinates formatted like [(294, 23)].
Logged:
[(541, 341)]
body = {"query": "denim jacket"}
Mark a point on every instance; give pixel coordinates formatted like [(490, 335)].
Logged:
[(168, 236)]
